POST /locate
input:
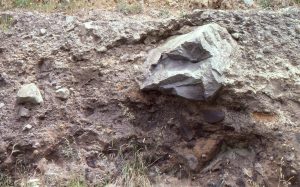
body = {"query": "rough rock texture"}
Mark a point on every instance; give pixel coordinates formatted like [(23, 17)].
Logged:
[(191, 65), (62, 93), (29, 93), (250, 133)]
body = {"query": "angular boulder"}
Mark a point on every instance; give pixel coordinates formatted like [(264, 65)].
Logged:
[(191, 65), (29, 93)]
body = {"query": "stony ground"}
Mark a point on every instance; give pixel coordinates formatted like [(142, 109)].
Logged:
[(95, 124)]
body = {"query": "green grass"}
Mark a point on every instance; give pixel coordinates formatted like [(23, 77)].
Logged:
[(5, 22), (126, 8), (77, 182), (277, 3), (45, 6), (134, 172), (265, 3)]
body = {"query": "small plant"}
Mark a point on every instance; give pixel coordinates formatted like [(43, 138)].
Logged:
[(282, 181), (134, 172), (77, 182), (5, 21), (5, 181), (22, 3), (164, 13), (67, 150), (265, 3), (126, 8)]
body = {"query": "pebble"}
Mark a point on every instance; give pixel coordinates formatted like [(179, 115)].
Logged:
[(29, 93), (36, 145), (213, 116), (101, 49), (62, 93), (27, 127), (70, 19), (43, 32), (236, 36), (23, 112), (297, 29), (192, 161), (2, 105)]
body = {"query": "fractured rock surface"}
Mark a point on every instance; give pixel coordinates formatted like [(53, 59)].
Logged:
[(29, 93), (191, 65)]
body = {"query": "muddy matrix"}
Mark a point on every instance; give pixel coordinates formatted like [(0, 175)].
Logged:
[(211, 98)]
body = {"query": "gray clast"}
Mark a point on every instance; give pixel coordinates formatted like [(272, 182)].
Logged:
[(191, 65)]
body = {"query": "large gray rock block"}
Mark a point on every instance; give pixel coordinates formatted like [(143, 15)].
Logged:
[(29, 93), (191, 65)]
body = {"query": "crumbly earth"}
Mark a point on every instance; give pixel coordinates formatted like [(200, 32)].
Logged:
[(106, 120)]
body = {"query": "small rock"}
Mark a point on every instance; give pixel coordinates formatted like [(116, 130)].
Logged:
[(70, 19), (136, 36), (236, 35), (3, 78), (23, 112), (297, 137), (297, 29), (27, 127), (36, 145), (2, 105), (294, 172), (33, 183), (63, 93), (101, 49), (90, 25), (29, 93), (43, 32), (259, 57), (213, 116), (192, 161)]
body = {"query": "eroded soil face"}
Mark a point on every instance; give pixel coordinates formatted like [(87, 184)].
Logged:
[(247, 135)]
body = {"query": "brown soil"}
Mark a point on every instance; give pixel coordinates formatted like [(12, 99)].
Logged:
[(107, 120)]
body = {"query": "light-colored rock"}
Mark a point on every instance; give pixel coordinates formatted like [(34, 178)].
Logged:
[(101, 49), (62, 93), (27, 127), (43, 32), (191, 65), (29, 93), (236, 35), (2, 105), (90, 25), (23, 112), (70, 19), (297, 29)]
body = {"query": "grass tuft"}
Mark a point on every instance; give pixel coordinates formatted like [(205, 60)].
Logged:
[(134, 172), (77, 182), (6, 21), (126, 8)]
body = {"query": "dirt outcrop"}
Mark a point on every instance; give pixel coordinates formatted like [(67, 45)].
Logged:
[(247, 135)]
